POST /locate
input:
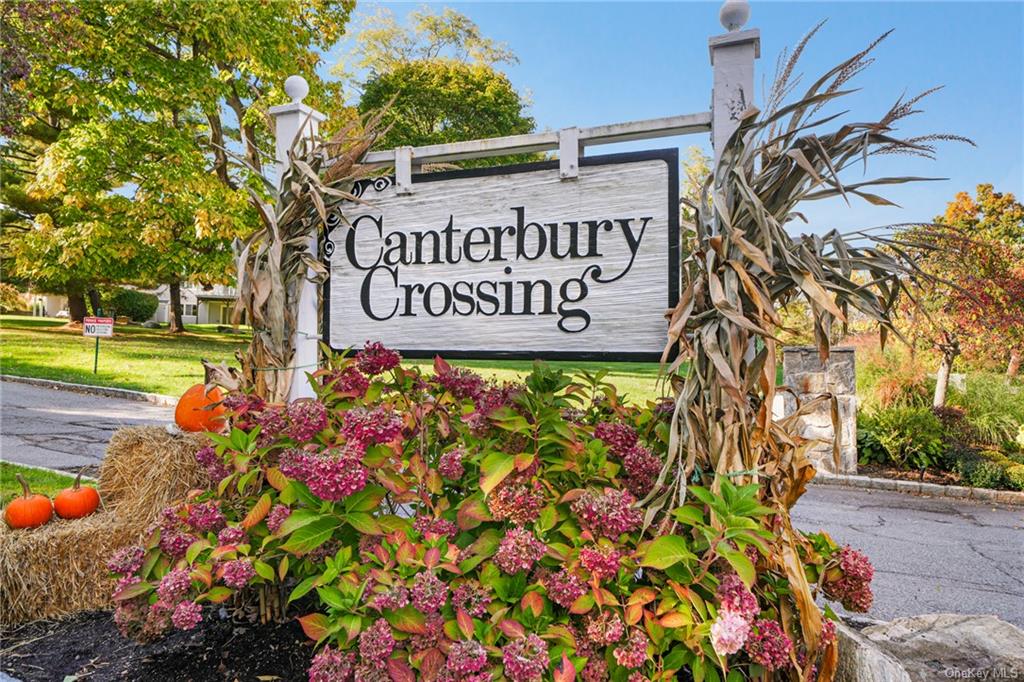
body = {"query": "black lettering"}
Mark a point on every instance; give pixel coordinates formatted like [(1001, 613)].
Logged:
[(364, 293), (462, 298), (488, 298), (350, 241), (409, 288), (428, 300), (542, 238), (569, 313), (470, 242), (528, 288)]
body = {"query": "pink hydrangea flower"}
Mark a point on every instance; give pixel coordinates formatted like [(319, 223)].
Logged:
[(126, 560), (332, 665), (174, 585), (466, 657), (856, 564), (348, 382), (497, 396), (370, 427), (608, 514), (450, 464), (461, 382), (272, 423), (376, 642), (517, 501), (207, 457), (564, 587), (601, 561), (633, 653), (828, 631), (596, 670), (375, 359), (617, 436), (429, 593), (853, 588), (205, 516), (518, 551), (768, 645), (395, 597), (471, 597), (729, 632), (734, 596), (336, 474), (237, 573), (232, 535), (277, 516), (175, 543), (187, 615), (642, 468), (605, 628), (432, 638), (525, 659), (425, 525), (307, 417)]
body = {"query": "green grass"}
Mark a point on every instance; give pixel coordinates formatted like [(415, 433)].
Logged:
[(42, 482), (155, 361)]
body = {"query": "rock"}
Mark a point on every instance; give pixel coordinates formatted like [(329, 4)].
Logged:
[(944, 646), (861, 660), (151, 325)]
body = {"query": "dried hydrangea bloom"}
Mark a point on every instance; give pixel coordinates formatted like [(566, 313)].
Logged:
[(608, 514), (371, 427), (187, 615), (466, 657), (605, 628), (450, 464), (564, 587), (517, 501), (307, 417), (205, 516), (525, 659), (518, 551), (348, 382), (332, 665), (335, 474), (462, 383), (429, 593), (424, 525), (601, 561), (734, 596), (375, 359), (232, 535), (633, 653), (174, 585), (619, 437), (237, 573), (126, 560), (472, 597), (768, 645), (277, 516), (376, 642)]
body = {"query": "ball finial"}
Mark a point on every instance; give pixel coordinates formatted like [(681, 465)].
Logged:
[(734, 14), (296, 87)]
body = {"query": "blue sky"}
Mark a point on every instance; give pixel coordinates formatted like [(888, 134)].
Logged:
[(587, 63)]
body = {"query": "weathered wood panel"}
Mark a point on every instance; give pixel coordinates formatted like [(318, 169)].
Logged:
[(511, 262)]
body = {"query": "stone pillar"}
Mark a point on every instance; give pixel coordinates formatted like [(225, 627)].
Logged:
[(292, 121), (804, 373)]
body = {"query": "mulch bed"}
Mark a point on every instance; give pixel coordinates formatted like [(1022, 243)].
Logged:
[(929, 476), (90, 647)]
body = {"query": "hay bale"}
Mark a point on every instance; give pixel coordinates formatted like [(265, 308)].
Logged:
[(60, 568)]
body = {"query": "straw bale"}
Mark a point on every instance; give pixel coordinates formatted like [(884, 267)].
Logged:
[(60, 568)]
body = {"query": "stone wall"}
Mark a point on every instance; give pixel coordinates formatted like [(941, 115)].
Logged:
[(804, 373)]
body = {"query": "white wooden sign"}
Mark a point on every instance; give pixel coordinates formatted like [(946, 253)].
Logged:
[(98, 326), (511, 262)]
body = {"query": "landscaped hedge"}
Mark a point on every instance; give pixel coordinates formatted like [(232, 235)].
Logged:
[(442, 527), (137, 306)]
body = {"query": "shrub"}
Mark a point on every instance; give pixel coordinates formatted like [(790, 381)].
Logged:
[(137, 306), (909, 437), (1015, 476), (894, 378), (993, 407), (10, 299), (444, 527)]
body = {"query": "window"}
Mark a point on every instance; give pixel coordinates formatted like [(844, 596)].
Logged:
[(190, 309)]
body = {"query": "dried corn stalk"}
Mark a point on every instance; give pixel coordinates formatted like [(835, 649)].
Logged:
[(273, 263), (745, 268)]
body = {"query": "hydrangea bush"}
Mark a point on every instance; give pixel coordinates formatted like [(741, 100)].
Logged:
[(439, 526)]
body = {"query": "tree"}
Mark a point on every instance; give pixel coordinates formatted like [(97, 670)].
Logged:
[(159, 93), (975, 304), (436, 81)]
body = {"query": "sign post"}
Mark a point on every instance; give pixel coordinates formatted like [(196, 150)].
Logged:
[(97, 327)]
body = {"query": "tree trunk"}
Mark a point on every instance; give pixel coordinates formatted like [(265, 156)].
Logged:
[(76, 304), (1013, 368), (174, 309), (942, 381), (94, 300)]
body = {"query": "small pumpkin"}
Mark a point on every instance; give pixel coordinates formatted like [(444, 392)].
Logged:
[(76, 501), (200, 410), (28, 511)]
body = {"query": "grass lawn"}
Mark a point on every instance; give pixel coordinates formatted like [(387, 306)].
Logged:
[(42, 482), (155, 361)]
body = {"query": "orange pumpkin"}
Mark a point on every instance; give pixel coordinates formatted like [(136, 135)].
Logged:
[(200, 410), (28, 511), (77, 501)]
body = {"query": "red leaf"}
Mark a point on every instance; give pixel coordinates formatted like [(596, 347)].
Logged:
[(565, 672), (432, 557), (512, 628), (465, 622), (399, 671), (533, 602), (407, 619), (440, 366), (472, 513), (430, 664), (258, 512), (315, 625), (276, 479)]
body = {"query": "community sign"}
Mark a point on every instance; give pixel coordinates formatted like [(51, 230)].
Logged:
[(510, 261)]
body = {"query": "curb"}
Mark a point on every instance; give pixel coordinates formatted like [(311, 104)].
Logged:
[(1008, 497), (59, 472), (109, 392)]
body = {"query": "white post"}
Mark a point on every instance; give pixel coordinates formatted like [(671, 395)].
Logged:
[(292, 121), (732, 60)]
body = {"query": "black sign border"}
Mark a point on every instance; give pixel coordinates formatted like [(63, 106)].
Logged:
[(669, 156)]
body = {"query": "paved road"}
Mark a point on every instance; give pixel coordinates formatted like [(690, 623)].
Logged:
[(930, 554), (62, 429)]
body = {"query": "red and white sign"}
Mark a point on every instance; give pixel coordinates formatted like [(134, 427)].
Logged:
[(98, 326)]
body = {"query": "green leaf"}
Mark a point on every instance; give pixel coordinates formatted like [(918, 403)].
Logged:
[(263, 570), (364, 523), (739, 562), (303, 588), (366, 499), (495, 467), (332, 597), (297, 519), (666, 551), (407, 619), (311, 536)]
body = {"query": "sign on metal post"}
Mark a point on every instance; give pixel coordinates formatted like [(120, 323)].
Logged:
[(510, 261), (97, 327)]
